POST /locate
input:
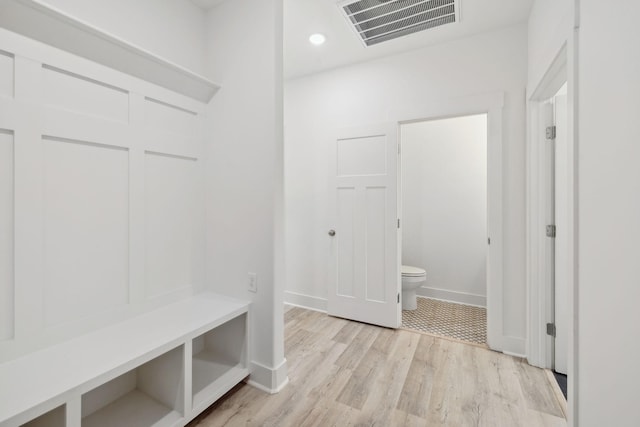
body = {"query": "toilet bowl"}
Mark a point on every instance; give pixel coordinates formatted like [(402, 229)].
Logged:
[(412, 279)]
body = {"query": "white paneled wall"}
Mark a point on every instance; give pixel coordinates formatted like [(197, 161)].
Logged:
[(101, 196)]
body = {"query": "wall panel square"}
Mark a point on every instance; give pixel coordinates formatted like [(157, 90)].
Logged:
[(84, 95), (6, 74), (86, 218), (169, 117), (170, 206)]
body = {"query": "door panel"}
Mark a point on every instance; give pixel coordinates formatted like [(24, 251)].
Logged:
[(345, 241), (375, 243), (364, 278)]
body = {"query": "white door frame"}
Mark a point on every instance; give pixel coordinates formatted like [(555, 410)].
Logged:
[(539, 345), (492, 105)]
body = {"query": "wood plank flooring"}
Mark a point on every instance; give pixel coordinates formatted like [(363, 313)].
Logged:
[(345, 373)]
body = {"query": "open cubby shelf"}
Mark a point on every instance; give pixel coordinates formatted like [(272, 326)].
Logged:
[(54, 418), (134, 408), (150, 395), (133, 373), (208, 392), (218, 360)]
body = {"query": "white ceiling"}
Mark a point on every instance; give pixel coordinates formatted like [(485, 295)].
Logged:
[(305, 17)]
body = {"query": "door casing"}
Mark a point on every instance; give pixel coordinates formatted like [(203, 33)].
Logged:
[(492, 105), (540, 291)]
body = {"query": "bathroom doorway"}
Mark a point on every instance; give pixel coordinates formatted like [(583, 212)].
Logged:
[(443, 208)]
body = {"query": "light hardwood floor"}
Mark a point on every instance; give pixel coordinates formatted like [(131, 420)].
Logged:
[(345, 373)]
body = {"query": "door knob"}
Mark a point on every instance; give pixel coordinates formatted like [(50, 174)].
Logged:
[(332, 233)]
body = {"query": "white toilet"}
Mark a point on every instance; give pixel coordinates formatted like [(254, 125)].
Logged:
[(412, 279)]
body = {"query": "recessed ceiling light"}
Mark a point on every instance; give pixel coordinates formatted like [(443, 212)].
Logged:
[(317, 39)]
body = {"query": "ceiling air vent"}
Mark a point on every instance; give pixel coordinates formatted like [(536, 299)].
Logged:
[(376, 21)]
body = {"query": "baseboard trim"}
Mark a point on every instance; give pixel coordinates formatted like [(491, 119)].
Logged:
[(453, 296), (270, 380), (514, 346), (305, 301)]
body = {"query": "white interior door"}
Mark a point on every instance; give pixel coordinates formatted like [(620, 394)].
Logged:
[(364, 277), (562, 221)]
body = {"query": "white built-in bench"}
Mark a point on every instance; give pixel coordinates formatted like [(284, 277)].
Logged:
[(162, 368)]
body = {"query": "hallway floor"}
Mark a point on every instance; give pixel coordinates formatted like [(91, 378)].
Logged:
[(345, 373), (462, 322)]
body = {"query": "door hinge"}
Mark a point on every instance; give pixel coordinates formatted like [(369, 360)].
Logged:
[(551, 132), (551, 329), (398, 297), (488, 240), (398, 222), (551, 230)]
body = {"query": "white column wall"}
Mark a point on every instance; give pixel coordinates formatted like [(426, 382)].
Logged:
[(244, 171), (609, 212)]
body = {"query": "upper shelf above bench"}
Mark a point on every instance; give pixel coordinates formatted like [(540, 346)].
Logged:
[(39, 21)]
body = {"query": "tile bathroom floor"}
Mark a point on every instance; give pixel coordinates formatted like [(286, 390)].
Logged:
[(462, 322)]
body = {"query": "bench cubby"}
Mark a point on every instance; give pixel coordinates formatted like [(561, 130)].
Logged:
[(150, 395), (54, 418), (219, 357), (161, 368)]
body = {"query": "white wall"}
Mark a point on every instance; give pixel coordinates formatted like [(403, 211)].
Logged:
[(444, 205), (609, 213), (172, 29), (244, 170), (366, 93)]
